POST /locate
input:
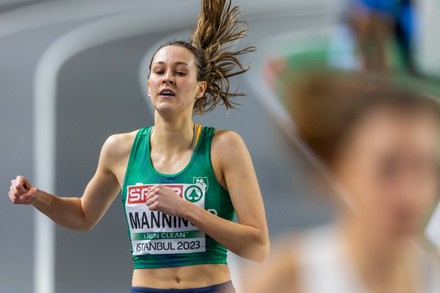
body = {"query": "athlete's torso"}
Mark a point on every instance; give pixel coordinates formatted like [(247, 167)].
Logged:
[(173, 277)]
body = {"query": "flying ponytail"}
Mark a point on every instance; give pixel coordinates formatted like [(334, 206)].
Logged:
[(212, 42), (218, 30)]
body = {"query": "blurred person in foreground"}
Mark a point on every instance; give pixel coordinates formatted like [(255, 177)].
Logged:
[(379, 144)]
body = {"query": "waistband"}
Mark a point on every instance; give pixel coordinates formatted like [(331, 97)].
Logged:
[(220, 288)]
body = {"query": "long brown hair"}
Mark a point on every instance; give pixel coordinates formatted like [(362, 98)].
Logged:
[(212, 42)]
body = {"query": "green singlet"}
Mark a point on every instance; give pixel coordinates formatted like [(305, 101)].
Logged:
[(159, 240)]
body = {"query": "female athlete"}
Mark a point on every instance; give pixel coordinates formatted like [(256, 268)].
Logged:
[(180, 182)]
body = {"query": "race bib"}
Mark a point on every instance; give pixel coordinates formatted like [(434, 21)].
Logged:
[(154, 232)]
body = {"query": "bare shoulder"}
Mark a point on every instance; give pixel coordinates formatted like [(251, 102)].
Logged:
[(228, 151), (227, 142), (118, 146), (225, 137)]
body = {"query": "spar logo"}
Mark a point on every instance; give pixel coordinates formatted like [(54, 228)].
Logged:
[(193, 193), (197, 190), (137, 194)]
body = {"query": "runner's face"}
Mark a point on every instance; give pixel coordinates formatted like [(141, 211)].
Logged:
[(173, 85), (390, 168)]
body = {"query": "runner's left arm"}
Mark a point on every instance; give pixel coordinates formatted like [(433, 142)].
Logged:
[(233, 166)]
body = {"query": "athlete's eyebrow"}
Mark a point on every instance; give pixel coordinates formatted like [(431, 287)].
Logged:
[(175, 63)]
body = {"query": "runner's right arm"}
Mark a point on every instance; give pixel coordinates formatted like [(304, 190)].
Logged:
[(75, 213)]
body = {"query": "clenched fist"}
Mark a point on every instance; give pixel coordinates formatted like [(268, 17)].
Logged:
[(164, 199), (22, 191)]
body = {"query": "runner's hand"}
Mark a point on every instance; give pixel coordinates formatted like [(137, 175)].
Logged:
[(164, 199), (22, 191)]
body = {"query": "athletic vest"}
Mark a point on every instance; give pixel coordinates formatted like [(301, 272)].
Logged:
[(159, 240)]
